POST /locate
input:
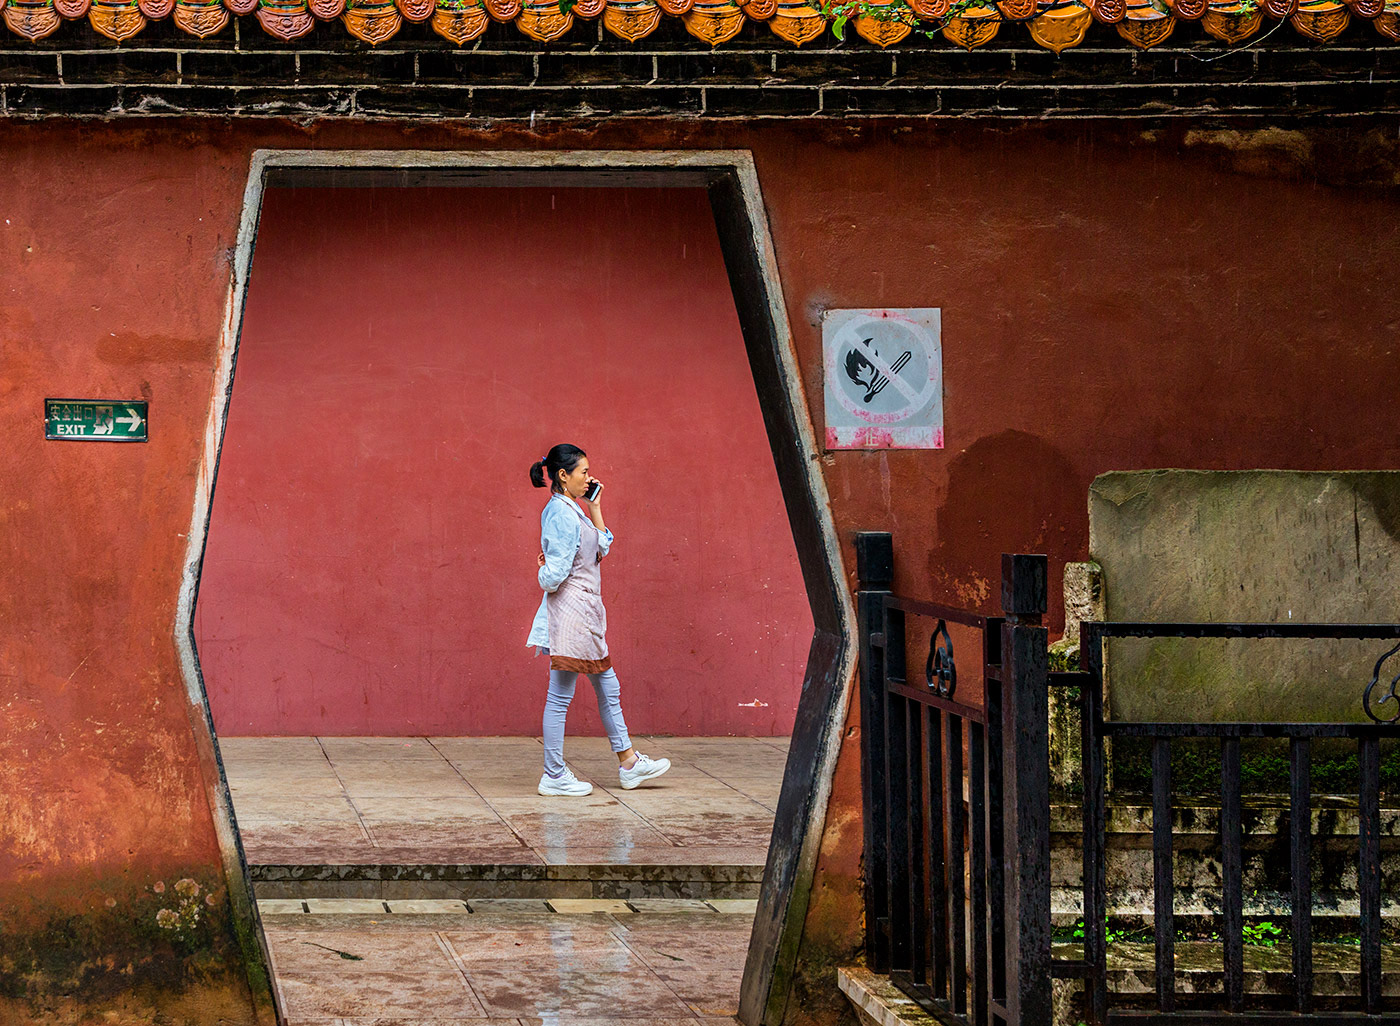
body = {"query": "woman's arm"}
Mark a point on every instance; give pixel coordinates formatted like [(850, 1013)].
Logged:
[(560, 536), (595, 514)]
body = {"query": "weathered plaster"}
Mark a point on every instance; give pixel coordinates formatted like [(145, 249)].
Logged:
[(1263, 546), (1111, 301)]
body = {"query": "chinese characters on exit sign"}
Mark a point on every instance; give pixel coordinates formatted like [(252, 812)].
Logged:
[(95, 420), (884, 379)]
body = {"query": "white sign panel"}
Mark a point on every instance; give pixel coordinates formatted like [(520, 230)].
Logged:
[(884, 379)]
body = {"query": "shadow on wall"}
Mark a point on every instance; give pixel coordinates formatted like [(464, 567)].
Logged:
[(1009, 492)]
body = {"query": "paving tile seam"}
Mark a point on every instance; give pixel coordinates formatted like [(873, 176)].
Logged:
[(459, 965), (672, 988), (457, 770), (668, 984), (645, 819), (744, 794), (364, 827)]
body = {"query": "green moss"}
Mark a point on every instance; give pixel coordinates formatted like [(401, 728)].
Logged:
[(1064, 656), (814, 997), (118, 940), (1263, 766)]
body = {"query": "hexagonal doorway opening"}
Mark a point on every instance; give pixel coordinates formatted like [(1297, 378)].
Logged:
[(404, 353)]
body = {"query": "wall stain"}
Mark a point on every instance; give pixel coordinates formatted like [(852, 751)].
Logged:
[(992, 486), (1384, 501), (131, 349)]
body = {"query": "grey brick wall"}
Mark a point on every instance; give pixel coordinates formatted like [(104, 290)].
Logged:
[(592, 75)]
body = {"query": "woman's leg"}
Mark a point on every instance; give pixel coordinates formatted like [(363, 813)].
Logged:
[(556, 710), (609, 691)]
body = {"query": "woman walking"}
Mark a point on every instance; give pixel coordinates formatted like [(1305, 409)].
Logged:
[(571, 624)]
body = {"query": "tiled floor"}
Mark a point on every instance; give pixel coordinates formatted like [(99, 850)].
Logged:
[(338, 800), (494, 957), (505, 969)]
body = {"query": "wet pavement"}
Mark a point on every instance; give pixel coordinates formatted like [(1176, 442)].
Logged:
[(494, 969), (423, 882), (336, 801)]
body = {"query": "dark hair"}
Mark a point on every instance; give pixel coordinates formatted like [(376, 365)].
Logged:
[(545, 472)]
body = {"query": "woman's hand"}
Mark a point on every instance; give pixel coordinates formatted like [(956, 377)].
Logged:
[(539, 560), (595, 508)]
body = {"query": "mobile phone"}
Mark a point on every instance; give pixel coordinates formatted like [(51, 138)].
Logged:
[(592, 494)]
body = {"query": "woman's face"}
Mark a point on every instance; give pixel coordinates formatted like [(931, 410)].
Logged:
[(575, 482)]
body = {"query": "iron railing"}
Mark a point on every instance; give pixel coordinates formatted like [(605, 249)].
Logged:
[(955, 778), (957, 839), (1301, 1004)]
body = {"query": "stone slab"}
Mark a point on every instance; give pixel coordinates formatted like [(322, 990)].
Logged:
[(570, 906), (1261, 545), (427, 906), (346, 906), (281, 907), (734, 906), (878, 1002), (509, 906), (669, 905)]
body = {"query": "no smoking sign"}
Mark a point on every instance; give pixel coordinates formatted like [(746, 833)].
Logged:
[(884, 379)]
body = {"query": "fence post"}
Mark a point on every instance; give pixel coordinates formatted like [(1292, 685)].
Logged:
[(1026, 789), (875, 573)]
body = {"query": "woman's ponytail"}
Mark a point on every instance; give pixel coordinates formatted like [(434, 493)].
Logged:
[(545, 473)]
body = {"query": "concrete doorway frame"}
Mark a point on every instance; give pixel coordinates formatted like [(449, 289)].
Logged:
[(730, 178)]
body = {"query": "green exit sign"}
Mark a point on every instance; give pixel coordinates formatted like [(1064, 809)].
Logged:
[(96, 420)]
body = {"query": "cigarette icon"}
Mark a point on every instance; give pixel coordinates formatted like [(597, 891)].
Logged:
[(881, 381)]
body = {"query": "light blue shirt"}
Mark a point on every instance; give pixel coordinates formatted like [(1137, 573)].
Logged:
[(561, 533)]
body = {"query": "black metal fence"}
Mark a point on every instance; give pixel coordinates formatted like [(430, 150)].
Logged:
[(1299, 736), (957, 834), (957, 808)]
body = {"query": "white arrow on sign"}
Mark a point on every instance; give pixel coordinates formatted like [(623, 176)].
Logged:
[(132, 419)]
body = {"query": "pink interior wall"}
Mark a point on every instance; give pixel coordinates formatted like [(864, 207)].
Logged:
[(405, 355)]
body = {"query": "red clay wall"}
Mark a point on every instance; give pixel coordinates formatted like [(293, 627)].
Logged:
[(113, 272), (406, 354), (1111, 299)]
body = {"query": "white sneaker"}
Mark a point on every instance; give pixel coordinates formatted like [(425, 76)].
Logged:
[(643, 768), (566, 786)]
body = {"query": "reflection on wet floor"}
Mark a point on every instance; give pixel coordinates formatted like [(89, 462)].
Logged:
[(418, 881), (322, 801), (495, 969)]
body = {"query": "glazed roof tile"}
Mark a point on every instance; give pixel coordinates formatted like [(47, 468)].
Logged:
[(1054, 25)]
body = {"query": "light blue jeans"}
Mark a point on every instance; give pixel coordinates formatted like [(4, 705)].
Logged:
[(556, 708)]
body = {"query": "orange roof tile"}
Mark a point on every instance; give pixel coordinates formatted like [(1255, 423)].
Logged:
[(1052, 24)]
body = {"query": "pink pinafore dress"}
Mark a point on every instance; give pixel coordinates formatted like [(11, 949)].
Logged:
[(578, 623)]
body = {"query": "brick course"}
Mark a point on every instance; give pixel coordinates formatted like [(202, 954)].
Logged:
[(591, 75)]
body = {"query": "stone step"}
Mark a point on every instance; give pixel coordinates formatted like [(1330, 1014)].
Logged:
[(1132, 981), (1193, 909), (1200, 977), (1197, 819), (505, 906), (409, 882)]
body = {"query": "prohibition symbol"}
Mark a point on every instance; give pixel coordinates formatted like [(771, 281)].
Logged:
[(884, 373)]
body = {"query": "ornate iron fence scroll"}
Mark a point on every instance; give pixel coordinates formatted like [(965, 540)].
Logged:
[(1301, 1005), (957, 839)]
